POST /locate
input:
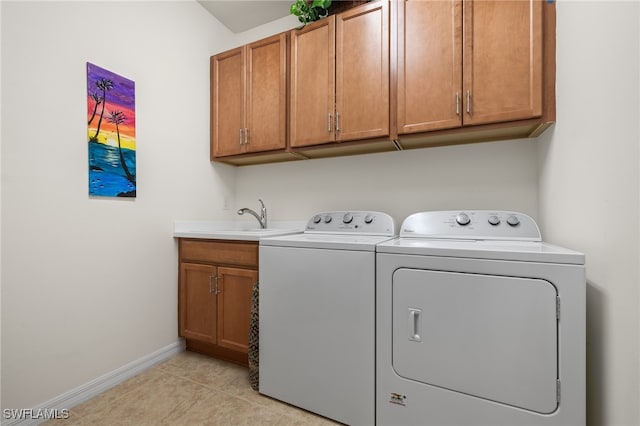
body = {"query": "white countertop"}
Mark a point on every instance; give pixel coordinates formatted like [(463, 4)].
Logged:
[(234, 230)]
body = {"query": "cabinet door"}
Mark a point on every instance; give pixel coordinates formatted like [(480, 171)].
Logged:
[(227, 102), (362, 72), (234, 307), (429, 65), (312, 87), (197, 302), (266, 94), (502, 60)]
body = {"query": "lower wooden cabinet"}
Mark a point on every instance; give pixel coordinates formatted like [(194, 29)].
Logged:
[(216, 279), (234, 307), (198, 304)]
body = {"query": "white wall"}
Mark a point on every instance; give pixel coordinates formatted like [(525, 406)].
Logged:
[(496, 175), (89, 284), (589, 190)]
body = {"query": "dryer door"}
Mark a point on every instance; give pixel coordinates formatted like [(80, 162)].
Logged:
[(491, 337)]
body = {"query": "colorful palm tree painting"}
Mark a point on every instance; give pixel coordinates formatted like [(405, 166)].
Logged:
[(111, 132)]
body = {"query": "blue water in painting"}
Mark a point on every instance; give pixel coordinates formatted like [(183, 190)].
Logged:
[(106, 175)]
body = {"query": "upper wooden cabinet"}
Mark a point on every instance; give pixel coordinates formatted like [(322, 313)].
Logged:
[(387, 75), (466, 62), (502, 65), (312, 87), (339, 72), (248, 98)]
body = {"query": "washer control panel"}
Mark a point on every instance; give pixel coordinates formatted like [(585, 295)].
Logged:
[(351, 222), (472, 224)]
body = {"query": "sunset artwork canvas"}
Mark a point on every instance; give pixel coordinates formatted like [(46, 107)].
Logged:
[(111, 132)]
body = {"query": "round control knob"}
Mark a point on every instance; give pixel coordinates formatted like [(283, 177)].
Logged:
[(513, 220), (368, 218), (494, 220), (347, 218), (327, 219), (463, 219), (317, 219)]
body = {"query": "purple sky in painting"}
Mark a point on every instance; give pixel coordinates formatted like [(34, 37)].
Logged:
[(123, 91)]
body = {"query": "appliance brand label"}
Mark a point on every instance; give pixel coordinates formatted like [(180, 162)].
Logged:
[(397, 398)]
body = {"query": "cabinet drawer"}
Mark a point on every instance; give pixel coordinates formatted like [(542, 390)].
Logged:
[(219, 252)]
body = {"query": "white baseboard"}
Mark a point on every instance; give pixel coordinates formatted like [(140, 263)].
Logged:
[(88, 390)]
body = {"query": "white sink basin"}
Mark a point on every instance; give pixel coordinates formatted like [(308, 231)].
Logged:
[(235, 231), (257, 231), (245, 230)]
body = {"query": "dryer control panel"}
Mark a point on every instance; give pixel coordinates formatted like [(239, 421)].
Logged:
[(471, 225), (351, 222)]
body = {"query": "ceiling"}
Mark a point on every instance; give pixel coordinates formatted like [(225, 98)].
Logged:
[(242, 15)]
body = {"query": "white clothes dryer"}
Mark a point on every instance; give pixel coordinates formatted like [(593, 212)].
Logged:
[(479, 322), (317, 315)]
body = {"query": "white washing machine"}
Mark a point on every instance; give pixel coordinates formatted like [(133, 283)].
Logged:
[(317, 315), (479, 322)]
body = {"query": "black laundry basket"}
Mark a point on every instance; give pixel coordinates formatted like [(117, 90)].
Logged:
[(254, 339)]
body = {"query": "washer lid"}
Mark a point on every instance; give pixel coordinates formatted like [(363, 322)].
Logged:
[(327, 241), (340, 230), (526, 251)]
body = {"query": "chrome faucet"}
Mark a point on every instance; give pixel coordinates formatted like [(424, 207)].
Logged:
[(263, 214)]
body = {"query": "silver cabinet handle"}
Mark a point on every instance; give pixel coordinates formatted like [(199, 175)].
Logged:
[(329, 123), (457, 103), (468, 101), (240, 137), (337, 122), (246, 136), (211, 289), (218, 291)]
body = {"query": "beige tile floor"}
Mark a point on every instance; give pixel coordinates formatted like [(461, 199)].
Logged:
[(188, 389)]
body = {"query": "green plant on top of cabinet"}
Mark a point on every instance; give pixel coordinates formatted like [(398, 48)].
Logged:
[(469, 63), (339, 72), (248, 98)]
